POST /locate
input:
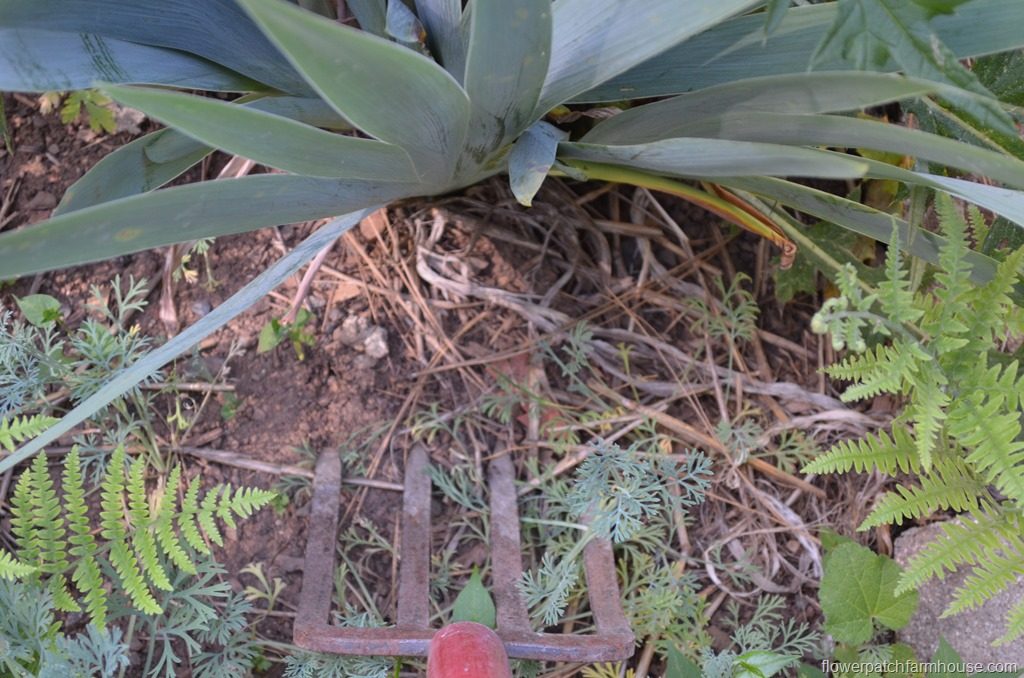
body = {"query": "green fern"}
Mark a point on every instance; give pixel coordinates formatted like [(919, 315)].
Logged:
[(986, 581), (888, 455), (941, 349), (19, 429), (950, 485), (969, 541), (87, 576), (136, 543), (12, 568), (1014, 624), (115, 531)]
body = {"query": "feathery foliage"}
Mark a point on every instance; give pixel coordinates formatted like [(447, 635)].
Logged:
[(32, 645), (942, 350), (136, 542)]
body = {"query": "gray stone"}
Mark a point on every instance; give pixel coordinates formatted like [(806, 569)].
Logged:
[(128, 119), (971, 632), (376, 343), (201, 307), (354, 330)]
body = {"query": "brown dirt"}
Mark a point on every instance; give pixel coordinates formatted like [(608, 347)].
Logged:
[(284, 403)]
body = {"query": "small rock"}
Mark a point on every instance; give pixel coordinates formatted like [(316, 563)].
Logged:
[(353, 330), (128, 119), (970, 633), (376, 343), (42, 201), (201, 307), (53, 149)]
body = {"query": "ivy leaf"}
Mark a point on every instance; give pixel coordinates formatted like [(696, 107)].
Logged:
[(870, 33), (40, 309), (474, 603), (858, 591)]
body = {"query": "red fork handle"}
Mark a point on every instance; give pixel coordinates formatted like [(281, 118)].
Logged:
[(467, 650)]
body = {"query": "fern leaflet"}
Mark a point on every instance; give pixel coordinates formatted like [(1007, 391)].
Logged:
[(20, 429), (950, 485), (12, 568), (888, 455)]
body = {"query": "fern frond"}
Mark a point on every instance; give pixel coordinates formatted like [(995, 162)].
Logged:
[(989, 306), (62, 598), (12, 568), (927, 411), (992, 436), (206, 513), (141, 521), (46, 518), (1001, 381), (187, 518), (962, 543), (89, 580), (949, 486), (886, 370), (224, 507), (881, 452), (87, 576), (1014, 624), (953, 278), (114, 531), (50, 533), (22, 525), (986, 581), (19, 429), (894, 294), (164, 525), (248, 500)]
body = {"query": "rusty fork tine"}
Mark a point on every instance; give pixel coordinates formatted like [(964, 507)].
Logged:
[(414, 575), (603, 589), (506, 552), (412, 634), (318, 576)]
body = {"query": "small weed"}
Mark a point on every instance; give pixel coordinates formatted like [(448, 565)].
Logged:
[(97, 107), (275, 332)]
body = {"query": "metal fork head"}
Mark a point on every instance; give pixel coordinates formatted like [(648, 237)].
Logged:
[(411, 635)]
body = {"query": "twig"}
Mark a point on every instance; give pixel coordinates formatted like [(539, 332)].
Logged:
[(307, 282), (193, 386), (229, 458)]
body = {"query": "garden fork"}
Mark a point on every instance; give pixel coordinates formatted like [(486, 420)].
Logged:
[(411, 636)]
